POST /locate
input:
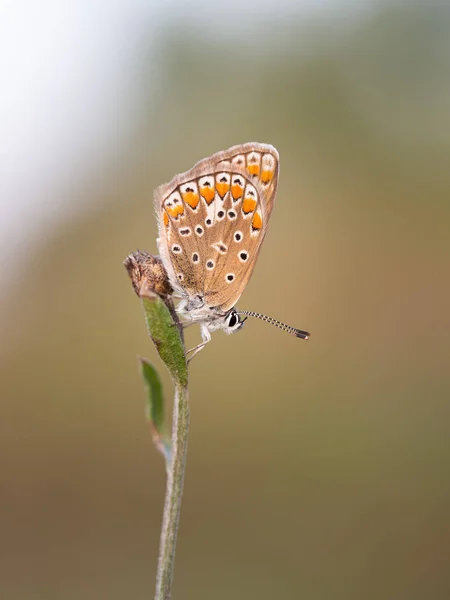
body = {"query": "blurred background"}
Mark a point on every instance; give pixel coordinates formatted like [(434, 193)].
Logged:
[(316, 470)]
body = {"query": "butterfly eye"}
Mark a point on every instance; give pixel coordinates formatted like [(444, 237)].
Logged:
[(233, 320)]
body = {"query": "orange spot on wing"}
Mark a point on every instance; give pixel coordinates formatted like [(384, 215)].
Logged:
[(176, 210), (257, 221), (208, 194), (166, 219), (222, 188), (191, 198), (266, 176), (236, 191), (248, 205), (253, 169)]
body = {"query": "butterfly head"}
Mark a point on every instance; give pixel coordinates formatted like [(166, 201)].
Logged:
[(229, 322), (232, 322)]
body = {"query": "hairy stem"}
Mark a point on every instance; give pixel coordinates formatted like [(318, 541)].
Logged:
[(174, 493)]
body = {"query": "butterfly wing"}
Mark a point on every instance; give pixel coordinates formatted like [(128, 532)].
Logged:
[(212, 221)]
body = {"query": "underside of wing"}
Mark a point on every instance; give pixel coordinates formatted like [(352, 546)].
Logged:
[(212, 221)]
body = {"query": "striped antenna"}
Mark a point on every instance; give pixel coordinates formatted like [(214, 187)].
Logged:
[(304, 335)]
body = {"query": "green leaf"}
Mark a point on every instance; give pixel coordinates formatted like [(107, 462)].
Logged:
[(153, 387), (155, 408), (166, 335)]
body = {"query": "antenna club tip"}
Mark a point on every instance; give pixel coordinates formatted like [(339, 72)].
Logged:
[(304, 335)]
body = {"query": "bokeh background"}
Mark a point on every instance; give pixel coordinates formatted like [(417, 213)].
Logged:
[(316, 470)]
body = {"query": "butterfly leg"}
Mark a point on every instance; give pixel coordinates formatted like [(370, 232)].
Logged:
[(183, 324), (206, 337)]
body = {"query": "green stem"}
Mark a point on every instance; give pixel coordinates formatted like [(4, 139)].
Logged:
[(174, 493)]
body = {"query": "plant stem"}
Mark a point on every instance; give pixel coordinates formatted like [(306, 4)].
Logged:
[(174, 493), (151, 284)]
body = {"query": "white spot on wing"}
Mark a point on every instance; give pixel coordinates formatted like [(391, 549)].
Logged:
[(268, 162), (173, 200), (223, 178), (190, 186), (250, 192), (254, 158), (211, 213), (206, 182), (220, 247), (221, 213), (239, 160)]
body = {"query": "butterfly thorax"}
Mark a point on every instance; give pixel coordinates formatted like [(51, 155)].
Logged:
[(195, 310)]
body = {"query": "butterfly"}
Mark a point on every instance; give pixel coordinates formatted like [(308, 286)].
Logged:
[(212, 221)]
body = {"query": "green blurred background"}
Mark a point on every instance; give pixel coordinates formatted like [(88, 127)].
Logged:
[(316, 470)]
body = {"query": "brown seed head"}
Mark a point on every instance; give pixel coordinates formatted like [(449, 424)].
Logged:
[(147, 270)]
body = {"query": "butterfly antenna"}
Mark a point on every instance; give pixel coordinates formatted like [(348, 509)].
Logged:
[(304, 335)]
